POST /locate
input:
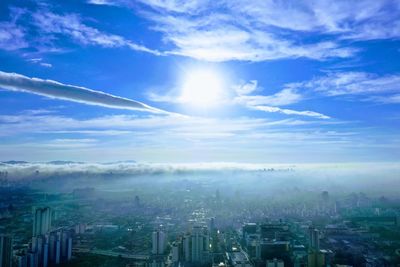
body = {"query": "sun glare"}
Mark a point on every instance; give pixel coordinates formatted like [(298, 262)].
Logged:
[(202, 88)]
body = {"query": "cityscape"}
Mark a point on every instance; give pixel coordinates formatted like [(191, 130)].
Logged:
[(200, 133), (201, 218)]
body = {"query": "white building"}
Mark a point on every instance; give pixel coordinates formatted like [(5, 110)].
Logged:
[(158, 242)]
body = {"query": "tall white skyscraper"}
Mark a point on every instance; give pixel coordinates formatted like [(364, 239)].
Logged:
[(158, 242), (41, 221)]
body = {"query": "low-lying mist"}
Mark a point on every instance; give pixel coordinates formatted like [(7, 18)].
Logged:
[(266, 179)]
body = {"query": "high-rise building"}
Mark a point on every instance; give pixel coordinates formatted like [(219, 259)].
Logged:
[(175, 253), (41, 221), (51, 249), (54, 248), (186, 247), (33, 259), (196, 245), (193, 247), (313, 238), (315, 257), (21, 261), (66, 245), (40, 248), (249, 229), (6, 250), (270, 249), (212, 225), (158, 242), (80, 228)]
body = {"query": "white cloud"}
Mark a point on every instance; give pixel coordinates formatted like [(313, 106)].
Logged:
[(246, 88), (122, 3), (230, 30), (53, 89), (190, 127), (271, 103), (178, 6), (71, 25), (265, 30), (47, 26), (389, 99), (363, 19), (35, 60), (90, 132), (337, 18), (100, 2), (47, 65), (170, 97), (243, 95), (38, 111), (290, 112), (118, 175), (217, 40), (70, 143), (163, 138), (40, 62), (284, 97), (352, 83), (261, 30), (12, 37), (365, 86), (30, 170)]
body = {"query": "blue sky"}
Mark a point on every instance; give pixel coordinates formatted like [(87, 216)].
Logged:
[(200, 81)]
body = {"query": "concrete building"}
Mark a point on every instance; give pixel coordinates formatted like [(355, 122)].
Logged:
[(196, 246), (200, 244), (158, 242), (51, 249), (175, 253), (313, 238), (41, 221)]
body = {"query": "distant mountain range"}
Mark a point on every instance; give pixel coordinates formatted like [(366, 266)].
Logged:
[(12, 162)]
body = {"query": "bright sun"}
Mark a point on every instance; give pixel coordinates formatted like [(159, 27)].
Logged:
[(202, 88)]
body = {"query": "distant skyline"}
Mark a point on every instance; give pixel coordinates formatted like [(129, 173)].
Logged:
[(200, 81)]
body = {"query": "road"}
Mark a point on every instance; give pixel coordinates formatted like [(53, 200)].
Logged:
[(113, 254)]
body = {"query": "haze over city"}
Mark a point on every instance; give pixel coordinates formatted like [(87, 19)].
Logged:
[(229, 133)]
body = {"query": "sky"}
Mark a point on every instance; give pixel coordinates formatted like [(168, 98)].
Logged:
[(200, 81)]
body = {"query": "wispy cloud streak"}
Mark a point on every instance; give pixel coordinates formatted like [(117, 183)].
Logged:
[(53, 89), (290, 111), (71, 25), (353, 83), (272, 103)]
